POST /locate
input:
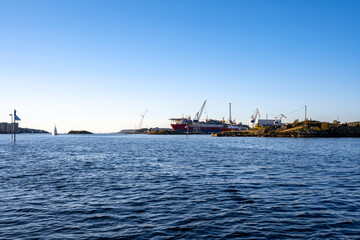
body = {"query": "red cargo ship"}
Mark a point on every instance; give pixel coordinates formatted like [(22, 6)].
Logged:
[(207, 126)]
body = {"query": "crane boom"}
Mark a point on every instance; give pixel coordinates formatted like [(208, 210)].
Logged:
[(282, 115), (142, 118), (199, 113), (278, 118)]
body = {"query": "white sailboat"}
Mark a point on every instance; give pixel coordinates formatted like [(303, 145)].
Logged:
[(55, 131)]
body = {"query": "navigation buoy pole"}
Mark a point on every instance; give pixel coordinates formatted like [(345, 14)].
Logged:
[(11, 123), (14, 128)]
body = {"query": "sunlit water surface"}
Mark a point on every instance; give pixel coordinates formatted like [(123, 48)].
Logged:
[(161, 187)]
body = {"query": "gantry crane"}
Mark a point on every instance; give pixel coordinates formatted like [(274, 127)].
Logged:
[(278, 118), (255, 115)]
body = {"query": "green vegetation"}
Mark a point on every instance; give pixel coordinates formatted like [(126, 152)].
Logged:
[(301, 129)]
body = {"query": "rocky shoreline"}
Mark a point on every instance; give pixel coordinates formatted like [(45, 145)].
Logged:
[(308, 129)]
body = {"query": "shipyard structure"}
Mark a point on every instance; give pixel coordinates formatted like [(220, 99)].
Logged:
[(188, 125), (256, 120)]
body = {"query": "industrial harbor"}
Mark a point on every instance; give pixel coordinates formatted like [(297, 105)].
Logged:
[(257, 127)]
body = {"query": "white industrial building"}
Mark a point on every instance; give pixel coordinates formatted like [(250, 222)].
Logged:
[(264, 122), (8, 127)]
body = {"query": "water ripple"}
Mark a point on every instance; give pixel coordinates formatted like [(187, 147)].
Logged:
[(170, 187)]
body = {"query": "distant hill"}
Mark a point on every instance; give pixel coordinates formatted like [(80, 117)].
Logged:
[(144, 130), (30, 130), (127, 131)]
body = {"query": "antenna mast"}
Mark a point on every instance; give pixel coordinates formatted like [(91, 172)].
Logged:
[(230, 120)]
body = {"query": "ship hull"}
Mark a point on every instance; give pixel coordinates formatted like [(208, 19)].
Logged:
[(204, 128)]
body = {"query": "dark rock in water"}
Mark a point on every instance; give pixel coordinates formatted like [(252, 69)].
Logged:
[(79, 132)]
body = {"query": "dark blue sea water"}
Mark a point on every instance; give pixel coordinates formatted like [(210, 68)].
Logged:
[(173, 187)]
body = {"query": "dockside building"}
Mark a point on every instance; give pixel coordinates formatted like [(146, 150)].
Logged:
[(8, 127)]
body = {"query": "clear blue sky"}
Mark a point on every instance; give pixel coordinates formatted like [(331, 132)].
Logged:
[(98, 65)]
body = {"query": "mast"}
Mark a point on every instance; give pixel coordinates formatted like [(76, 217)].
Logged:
[(11, 122)]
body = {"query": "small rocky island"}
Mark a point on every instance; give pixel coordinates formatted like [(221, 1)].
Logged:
[(308, 129), (79, 132), (152, 131)]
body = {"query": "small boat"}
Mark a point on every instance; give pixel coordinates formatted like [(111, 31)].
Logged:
[(55, 131)]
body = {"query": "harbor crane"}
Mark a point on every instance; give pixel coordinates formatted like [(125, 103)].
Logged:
[(255, 115), (278, 118), (199, 113), (142, 118)]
